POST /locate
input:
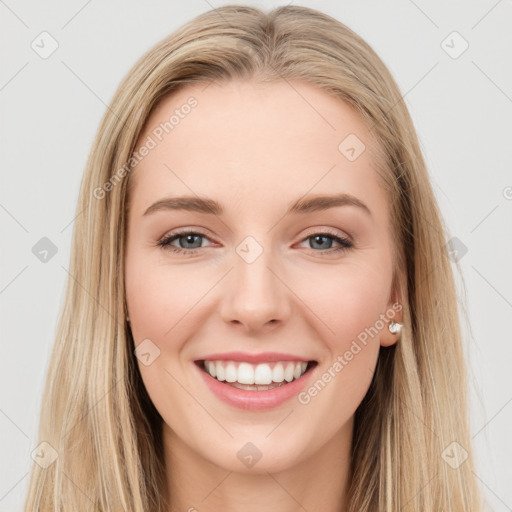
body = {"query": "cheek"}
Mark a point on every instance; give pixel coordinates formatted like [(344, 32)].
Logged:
[(160, 301), (349, 302), (350, 306), (348, 299), (158, 296)]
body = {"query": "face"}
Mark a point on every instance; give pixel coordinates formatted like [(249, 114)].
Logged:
[(265, 274)]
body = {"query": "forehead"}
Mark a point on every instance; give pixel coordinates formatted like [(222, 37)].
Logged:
[(245, 142)]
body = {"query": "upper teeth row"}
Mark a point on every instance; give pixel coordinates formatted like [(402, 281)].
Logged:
[(246, 373)]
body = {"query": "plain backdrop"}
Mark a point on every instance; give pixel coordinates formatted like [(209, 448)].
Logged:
[(452, 61)]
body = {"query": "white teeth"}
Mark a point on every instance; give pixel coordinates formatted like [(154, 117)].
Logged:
[(221, 374), (288, 372), (231, 375), (212, 368), (262, 374), (278, 373), (245, 374)]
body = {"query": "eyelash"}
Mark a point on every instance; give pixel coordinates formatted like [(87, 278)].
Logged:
[(164, 243)]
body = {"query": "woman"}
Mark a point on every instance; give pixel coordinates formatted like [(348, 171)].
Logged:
[(304, 352)]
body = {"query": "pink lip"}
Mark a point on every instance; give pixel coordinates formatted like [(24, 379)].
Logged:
[(255, 400), (264, 357)]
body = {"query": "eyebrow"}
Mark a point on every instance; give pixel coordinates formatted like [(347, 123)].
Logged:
[(301, 206)]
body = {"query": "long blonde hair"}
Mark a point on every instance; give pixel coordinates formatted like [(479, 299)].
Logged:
[(96, 414)]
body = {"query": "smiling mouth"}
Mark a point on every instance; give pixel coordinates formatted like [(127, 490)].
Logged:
[(256, 377)]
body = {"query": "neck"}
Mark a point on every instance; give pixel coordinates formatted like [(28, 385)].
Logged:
[(319, 482)]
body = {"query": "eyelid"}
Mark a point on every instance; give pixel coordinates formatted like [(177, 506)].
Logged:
[(330, 231), (186, 231)]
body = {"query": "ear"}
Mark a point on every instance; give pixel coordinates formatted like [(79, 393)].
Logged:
[(393, 313)]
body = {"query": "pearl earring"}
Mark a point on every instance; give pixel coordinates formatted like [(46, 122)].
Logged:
[(395, 327)]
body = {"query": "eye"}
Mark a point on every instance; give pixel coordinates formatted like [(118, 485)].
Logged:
[(190, 239), (190, 242), (321, 240)]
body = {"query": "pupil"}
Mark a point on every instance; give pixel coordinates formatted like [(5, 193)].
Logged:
[(190, 238), (319, 237)]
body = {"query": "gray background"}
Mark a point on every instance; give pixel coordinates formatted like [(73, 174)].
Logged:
[(51, 108)]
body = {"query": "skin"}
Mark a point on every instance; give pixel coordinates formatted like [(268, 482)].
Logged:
[(256, 148)]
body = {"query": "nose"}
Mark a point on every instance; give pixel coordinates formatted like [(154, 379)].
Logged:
[(255, 296)]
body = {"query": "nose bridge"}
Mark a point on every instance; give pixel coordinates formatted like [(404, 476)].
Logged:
[(254, 295)]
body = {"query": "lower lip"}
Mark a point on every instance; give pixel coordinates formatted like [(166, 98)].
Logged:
[(255, 400)]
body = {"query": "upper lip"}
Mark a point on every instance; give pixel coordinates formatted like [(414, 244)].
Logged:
[(263, 357)]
